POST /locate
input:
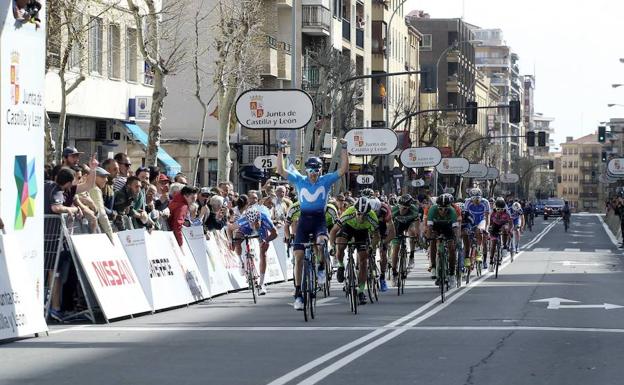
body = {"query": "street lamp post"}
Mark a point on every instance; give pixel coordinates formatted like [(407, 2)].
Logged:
[(388, 35)]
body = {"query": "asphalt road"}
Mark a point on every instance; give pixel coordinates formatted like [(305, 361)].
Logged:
[(517, 329)]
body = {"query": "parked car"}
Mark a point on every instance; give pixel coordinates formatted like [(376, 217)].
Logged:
[(553, 207)]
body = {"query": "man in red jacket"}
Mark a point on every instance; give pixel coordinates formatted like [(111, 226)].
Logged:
[(179, 209)]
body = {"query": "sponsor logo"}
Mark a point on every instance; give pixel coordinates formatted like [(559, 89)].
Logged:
[(256, 107), (113, 273), (26, 183), (15, 88), (309, 197)]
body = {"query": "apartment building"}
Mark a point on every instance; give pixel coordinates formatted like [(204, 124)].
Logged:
[(485, 95), (105, 108), (580, 171)]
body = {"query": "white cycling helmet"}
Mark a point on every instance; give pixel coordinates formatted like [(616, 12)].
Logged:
[(362, 205), (252, 215), (516, 207), (375, 204)]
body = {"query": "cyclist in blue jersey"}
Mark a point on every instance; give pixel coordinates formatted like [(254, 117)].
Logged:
[(312, 193), (255, 220), (480, 210), (517, 216)]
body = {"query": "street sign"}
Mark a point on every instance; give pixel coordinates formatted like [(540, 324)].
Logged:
[(371, 141), (420, 157), (492, 173), (509, 178), (365, 179), (616, 167), (142, 108), (418, 183), (278, 109), (453, 166), (266, 162), (555, 303), (476, 170)]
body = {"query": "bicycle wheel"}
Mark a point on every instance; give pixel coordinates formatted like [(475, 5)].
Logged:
[(369, 279), (312, 290), (353, 288), (304, 291), (402, 267), (374, 280), (497, 258), (458, 272), (441, 269), (251, 279)]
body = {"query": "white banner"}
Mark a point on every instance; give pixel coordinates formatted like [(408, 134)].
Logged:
[(476, 170), (22, 72), (230, 260), (111, 275), (211, 274), (453, 166), (371, 141), (509, 178), (284, 255), (420, 157), (21, 314), (279, 109), (197, 286), (219, 277)]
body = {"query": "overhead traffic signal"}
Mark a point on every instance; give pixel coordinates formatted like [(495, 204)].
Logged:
[(541, 139), (530, 138), (551, 164), (602, 134), (471, 112), (604, 157), (514, 111)]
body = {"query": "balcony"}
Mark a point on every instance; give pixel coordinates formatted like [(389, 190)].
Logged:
[(284, 3), (589, 195), (589, 157), (315, 20), (452, 84), (346, 30), (311, 78), (268, 55), (492, 62), (359, 38), (284, 61), (453, 56)]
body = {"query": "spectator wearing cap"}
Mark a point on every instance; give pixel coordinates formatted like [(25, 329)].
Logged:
[(162, 191), (124, 202), (202, 203), (179, 208), (124, 171), (97, 195), (71, 157)]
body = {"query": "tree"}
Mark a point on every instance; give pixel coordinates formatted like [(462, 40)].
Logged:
[(237, 66), (163, 46)]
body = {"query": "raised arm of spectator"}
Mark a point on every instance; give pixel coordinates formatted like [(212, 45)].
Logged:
[(90, 183), (280, 159), (344, 158)]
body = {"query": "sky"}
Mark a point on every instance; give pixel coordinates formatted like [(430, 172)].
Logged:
[(573, 47)]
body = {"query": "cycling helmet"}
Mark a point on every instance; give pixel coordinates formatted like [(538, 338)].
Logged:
[(476, 193), (367, 192), (375, 204), (362, 205), (314, 162), (449, 197), (445, 200), (252, 215), (406, 200), (500, 203), (516, 206)]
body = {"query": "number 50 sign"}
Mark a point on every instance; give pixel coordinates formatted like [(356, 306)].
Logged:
[(266, 162)]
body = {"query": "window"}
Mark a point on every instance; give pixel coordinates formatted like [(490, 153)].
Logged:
[(378, 33), (565, 191), (131, 55), (426, 43), (212, 172), (575, 164), (76, 54), (95, 45), (576, 177), (114, 51)]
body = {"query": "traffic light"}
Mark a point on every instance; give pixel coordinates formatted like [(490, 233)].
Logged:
[(551, 164), (541, 139), (602, 134), (471, 112), (530, 138), (514, 111), (604, 157)]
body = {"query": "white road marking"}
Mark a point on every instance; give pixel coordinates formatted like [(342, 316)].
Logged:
[(320, 375), (73, 328), (572, 250), (519, 328), (574, 263), (607, 230), (555, 303), (540, 250)]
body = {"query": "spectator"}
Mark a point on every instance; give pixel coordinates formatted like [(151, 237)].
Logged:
[(282, 203), (217, 217), (162, 188), (226, 188), (83, 200), (179, 208), (174, 188), (124, 169), (152, 206), (97, 195), (124, 203), (202, 201), (154, 174), (193, 219), (253, 197), (241, 205), (143, 174), (181, 178), (71, 157), (111, 166), (619, 211)]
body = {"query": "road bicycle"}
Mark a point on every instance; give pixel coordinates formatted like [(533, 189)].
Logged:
[(250, 266), (442, 264), (309, 282), (498, 253), (402, 263), (472, 257), (372, 275)]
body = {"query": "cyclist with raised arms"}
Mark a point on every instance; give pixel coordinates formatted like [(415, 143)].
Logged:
[(517, 216), (480, 210), (500, 220), (442, 220), (386, 235), (406, 216), (312, 193), (356, 223), (255, 220)]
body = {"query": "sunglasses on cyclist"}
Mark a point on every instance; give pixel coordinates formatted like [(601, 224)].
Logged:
[(313, 170)]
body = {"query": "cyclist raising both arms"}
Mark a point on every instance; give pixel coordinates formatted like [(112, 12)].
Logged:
[(312, 193), (255, 220)]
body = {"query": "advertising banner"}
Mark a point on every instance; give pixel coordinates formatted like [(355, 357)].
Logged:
[(219, 277), (284, 255), (476, 170), (157, 269), (453, 166), (492, 173), (229, 260), (615, 167), (22, 72), (371, 141), (279, 109), (213, 273), (509, 178), (111, 275), (197, 286), (20, 311), (420, 157)]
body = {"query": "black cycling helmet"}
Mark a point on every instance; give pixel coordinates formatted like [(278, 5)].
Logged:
[(500, 203), (314, 162), (362, 205), (450, 197), (444, 200), (406, 200), (367, 192)]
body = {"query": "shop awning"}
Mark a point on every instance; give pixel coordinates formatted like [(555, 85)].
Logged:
[(171, 166)]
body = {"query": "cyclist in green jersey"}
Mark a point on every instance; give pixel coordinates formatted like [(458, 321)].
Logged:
[(406, 216), (294, 212), (357, 223), (442, 220)]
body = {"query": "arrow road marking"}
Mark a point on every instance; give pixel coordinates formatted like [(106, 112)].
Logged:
[(555, 303)]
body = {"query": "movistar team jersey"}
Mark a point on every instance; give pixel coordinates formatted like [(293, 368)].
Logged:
[(479, 210), (515, 216), (266, 225), (413, 214), (313, 196), (331, 214), (437, 215), (349, 218)]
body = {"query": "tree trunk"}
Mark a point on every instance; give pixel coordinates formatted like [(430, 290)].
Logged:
[(201, 142), (60, 135), (225, 108), (155, 128), (49, 142), (319, 143)]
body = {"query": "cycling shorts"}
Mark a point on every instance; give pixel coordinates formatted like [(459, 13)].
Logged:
[(443, 228), (360, 236), (495, 230), (309, 223)]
